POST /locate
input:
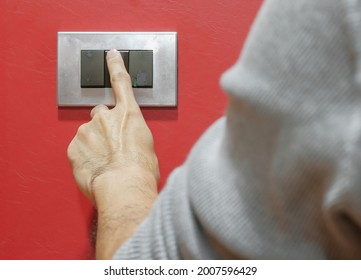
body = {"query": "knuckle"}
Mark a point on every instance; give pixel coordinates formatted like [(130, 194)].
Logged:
[(99, 108), (101, 116), (69, 151), (103, 113), (95, 110), (82, 130), (121, 76)]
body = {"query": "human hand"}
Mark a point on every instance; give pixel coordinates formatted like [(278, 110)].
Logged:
[(116, 141)]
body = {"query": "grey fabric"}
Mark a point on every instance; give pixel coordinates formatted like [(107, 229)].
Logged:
[(279, 177)]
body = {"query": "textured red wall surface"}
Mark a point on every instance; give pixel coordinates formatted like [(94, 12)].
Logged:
[(42, 213)]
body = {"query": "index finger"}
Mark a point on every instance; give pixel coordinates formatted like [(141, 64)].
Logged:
[(120, 79)]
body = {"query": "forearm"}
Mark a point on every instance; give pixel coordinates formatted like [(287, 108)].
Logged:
[(123, 201)]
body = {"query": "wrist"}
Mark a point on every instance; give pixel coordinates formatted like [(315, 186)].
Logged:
[(123, 199), (125, 186)]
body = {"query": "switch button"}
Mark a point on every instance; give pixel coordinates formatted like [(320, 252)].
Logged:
[(92, 68), (95, 74), (141, 68)]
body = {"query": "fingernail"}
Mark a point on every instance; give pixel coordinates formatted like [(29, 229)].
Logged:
[(112, 53)]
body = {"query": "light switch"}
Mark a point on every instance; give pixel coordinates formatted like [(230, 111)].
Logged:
[(95, 73), (92, 68), (141, 68), (82, 75)]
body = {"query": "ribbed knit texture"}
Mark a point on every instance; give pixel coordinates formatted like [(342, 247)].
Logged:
[(279, 177)]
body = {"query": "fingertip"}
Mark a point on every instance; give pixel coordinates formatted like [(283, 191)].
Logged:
[(112, 53)]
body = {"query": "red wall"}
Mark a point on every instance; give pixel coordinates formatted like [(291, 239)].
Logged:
[(42, 213)]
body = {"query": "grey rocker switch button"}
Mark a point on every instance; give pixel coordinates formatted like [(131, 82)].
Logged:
[(92, 68), (125, 56), (141, 68)]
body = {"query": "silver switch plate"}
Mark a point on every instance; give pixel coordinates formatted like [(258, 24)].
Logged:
[(163, 44)]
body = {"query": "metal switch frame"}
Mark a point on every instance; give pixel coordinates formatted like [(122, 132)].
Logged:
[(163, 44)]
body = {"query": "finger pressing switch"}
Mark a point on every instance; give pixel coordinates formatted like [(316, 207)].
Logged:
[(92, 68), (125, 56), (141, 68)]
